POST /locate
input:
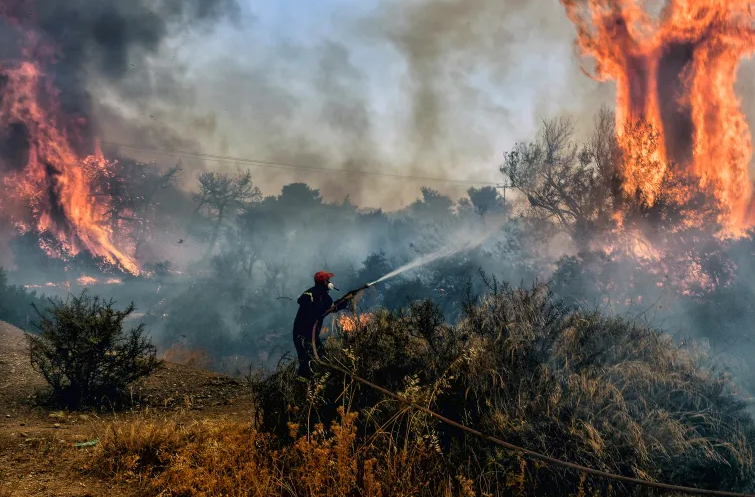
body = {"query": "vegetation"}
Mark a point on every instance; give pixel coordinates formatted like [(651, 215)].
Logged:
[(234, 459), (583, 374), (16, 303), (84, 352), (582, 387)]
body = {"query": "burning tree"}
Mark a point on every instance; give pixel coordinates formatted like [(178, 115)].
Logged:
[(677, 71), (51, 184), (130, 194), (57, 184), (575, 186)]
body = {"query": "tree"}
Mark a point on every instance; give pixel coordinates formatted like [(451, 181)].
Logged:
[(573, 185), (130, 188), (84, 353), (484, 200), (153, 183), (15, 302), (223, 195)]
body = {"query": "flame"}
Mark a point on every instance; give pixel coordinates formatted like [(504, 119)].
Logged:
[(55, 184), (83, 280), (86, 281), (677, 72), (351, 323)]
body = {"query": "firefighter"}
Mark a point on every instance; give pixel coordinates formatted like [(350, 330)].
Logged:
[(312, 305)]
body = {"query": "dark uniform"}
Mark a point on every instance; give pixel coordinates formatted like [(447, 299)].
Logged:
[(312, 305)]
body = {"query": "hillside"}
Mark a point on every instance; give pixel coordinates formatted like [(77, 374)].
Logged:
[(36, 453)]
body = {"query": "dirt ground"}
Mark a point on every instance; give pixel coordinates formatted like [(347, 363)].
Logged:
[(37, 456)]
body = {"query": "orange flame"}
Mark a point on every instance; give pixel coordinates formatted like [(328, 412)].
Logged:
[(677, 71), (86, 280), (351, 323), (56, 185)]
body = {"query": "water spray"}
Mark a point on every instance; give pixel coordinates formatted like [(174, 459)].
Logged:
[(447, 251)]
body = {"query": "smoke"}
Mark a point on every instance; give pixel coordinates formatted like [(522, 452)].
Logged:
[(432, 88), (109, 45), (428, 88)]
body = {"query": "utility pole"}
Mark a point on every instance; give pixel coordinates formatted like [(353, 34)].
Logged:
[(505, 186)]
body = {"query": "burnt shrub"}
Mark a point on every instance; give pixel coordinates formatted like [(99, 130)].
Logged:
[(84, 352)]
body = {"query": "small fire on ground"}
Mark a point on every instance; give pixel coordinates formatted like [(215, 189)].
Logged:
[(351, 323), (81, 281)]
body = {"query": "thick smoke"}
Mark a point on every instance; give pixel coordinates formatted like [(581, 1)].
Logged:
[(422, 88), (109, 43)]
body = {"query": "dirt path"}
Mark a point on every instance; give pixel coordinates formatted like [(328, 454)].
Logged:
[(37, 457)]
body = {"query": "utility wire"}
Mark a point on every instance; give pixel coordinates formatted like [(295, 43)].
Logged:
[(224, 159), (515, 448)]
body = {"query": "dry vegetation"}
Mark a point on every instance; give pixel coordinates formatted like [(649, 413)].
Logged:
[(234, 459), (597, 391)]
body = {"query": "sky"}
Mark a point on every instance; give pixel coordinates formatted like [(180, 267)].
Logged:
[(428, 88)]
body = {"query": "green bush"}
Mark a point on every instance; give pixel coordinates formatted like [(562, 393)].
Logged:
[(598, 391), (84, 352)]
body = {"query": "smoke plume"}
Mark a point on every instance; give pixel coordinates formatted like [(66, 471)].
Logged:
[(434, 89), (108, 44)]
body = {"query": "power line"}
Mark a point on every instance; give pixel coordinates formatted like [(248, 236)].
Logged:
[(224, 159)]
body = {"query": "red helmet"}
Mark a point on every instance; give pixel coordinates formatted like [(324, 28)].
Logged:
[(323, 277)]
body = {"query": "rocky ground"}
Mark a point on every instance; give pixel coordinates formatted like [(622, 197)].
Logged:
[(37, 452)]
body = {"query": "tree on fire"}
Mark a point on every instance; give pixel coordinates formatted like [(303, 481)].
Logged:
[(574, 186), (585, 188), (130, 189)]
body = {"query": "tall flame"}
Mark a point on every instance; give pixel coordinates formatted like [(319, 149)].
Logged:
[(677, 72), (57, 185)]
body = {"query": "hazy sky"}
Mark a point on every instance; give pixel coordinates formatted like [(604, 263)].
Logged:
[(433, 88)]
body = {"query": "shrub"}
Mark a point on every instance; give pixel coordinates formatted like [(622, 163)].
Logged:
[(84, 352), (598, 391), (16, 303)]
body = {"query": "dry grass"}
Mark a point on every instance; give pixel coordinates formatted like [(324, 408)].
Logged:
[(581, 387), (231, 458), (592, 390), (185, 356)]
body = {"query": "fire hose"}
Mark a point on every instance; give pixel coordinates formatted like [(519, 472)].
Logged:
[(497, 441)]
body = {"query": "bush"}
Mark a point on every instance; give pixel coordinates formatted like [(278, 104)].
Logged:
[(85, 354), (16, 303), (598, 391)]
